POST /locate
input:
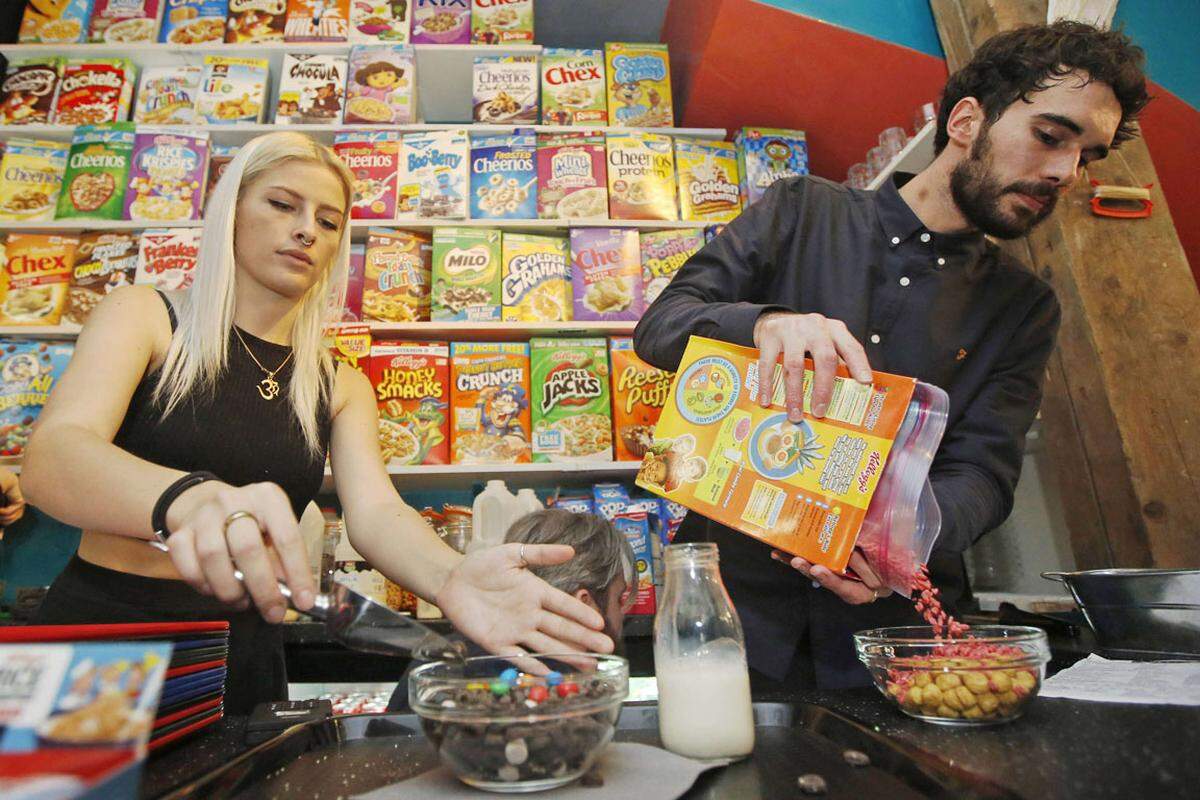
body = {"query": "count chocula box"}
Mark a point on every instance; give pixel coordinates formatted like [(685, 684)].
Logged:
[(312, 88), (489, 422), (800, 488), (639, 392), (36, 275), (412, 389)]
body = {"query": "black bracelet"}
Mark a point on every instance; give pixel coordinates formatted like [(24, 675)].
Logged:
[(158, 517)]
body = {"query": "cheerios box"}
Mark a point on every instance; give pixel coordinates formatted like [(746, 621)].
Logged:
[(504, 176), (639, 392), (412, 389), (373, 158), (639, 85), (709, 188), (505, 89), (536, 282), (766, 155), (32, 171), (489, 395), (466, 275), (606, 274), (571, 412), (233, 90), (97, 172), (802, 488), (641, 176)]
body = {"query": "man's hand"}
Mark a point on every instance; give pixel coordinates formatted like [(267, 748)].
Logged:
[(795, 335), (868, 590)]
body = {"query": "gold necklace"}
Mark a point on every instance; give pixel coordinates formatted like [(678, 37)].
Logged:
[(268, 387)]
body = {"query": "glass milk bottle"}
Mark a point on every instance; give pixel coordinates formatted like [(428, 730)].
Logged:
[(700, 660)]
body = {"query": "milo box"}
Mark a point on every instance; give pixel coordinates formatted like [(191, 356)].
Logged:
[(97, 172), (569, 393), (466, 275)]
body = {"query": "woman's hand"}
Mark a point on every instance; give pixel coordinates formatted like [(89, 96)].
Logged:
[(867, 590)]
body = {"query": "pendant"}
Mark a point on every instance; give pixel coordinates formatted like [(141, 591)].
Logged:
[(268, 387)]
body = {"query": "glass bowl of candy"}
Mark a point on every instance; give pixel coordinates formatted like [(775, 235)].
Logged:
[(508, 725), (988, 675)]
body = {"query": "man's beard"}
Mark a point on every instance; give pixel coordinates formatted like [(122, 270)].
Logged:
[(979, 196)]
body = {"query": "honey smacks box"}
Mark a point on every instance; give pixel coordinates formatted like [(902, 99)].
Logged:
[(412, 388), (802, 488)]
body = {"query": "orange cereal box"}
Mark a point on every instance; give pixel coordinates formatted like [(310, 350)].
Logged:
[(36, 276), (489, 421), (412, 387), (396, 275), (350, 345), (639, 392), (639, 85)]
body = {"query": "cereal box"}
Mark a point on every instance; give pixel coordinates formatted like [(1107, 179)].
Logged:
[(350, 344), (31, 174), (802, 488), (434, 175), (639, 85), (167, 176), (94, 90), (351, 308), (28, 91), (37, 272), (572, 182), (505, 89), (55, 22), (639, 392), (311, 89), (412, 388), (713, 231), (606, 274), (663, 253), (28, 371), (641, 176), (103, 261), (396, 276), (97, 172), (379, 21), (571, 412), (193, 21), (232, 90), (708, 180), (441, 21), (766, 155), (219, 156), (536, 285), (466, 275), (124, 21), (317, 21), (573, 87), (167, 95), (489, 399), (504, 176), (167, 258), (382, 87), (501, 21), (372, 158), (256, 21)]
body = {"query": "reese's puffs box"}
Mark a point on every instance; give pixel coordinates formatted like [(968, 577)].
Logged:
[(801, 488), (412, 388), (639, 392)]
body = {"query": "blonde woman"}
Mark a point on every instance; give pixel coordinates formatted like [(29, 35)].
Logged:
[(203, 420)]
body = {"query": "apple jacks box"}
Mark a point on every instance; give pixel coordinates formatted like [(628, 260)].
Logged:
[(801, 488)]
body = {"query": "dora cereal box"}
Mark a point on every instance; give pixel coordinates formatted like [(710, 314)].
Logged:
[(441, 21), (572, 182), (412, 388), (641, 176), (124, 21), (380, 21), (193, 21), (766, 155), (167, 258), (37, 273), (396, 276), (317, 21), (709, 188), (536, 283), (167, 95), (31, 175), (373, 158), (167, 176), (466, 275), (606, 274), (639, 392), (801, 488), (94, 90), (639, 85), (55, 21), (573, 88), (232, 90), (311, 89), (28, 91), (504, 175), (663, 253), (434, 175), (104, 261), (489, 420), (28, 371), (571, 412), (382, 85), (97, 172), (255, 21), (501, 21)]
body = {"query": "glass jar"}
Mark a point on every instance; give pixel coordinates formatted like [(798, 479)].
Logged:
[(458, 533), (700, 652)]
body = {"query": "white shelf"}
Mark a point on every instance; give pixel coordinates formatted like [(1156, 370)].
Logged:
[(916, 156), (40, 331), (359, 227), (56, 225), (425, 331)]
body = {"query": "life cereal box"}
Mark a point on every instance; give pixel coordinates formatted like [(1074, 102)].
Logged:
[(372, 158), (380, 21), (219, 156), (641, 176), (311, 89), (55, 21), (104, 261), (801, 488), (317, 21), (434, 175), (412, 388), (168, 175), (571, 412), (639, 392), (350, 344), (256, 21), (606, 274), (167, 95), (466, 275), (94, 90), (441, 21), (28, 371), (382, 85), (663, 253), (536, 285), (167, 258), (505, 89), (124, 21), (37, 272), (232, 90), (709, 188), (639, 85), (396, 276), (573, 87), (501, 21), (28, 91), (572, 182), (489, 398), (31, 174), (766, 155), (193, 21), (97, 172), (504, 176)]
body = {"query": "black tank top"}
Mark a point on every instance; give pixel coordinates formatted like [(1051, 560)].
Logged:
[(232, 432)]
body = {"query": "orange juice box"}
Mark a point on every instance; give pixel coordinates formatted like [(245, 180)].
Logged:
[(489, 397), (639, 85), (639, 392), (412, 388), (801, 488)]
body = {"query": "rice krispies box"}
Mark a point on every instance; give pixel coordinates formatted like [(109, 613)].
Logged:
[(639, 392), (55, 22), (504, 176), (28, 92), (28, 371), (709, 188), (466, 275), (167, 258), (505, 89), (501, 21), (104, 261), (167, 95), (255, 21), (232, 90), (317, 21), (639, 85), (641, 176), (382, 85), (37, 273), (94, 90), (396, 277), (606, 274), (573, 88), (412, 389), (766, 155), (536, 284), (380, 21), (571, 412), (489, 421), (373, 158), (124, 21), (434, 175), (572, 181), (311, 89), (193, 21), (31, 174), (441, 21), (97, 173), (167, 176), (663, 253)]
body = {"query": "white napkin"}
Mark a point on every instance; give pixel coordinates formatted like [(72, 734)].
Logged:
[(1150, 682)]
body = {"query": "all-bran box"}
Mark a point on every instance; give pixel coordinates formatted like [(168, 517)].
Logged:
[(505, 89), (233, 90), (441, 21), (641, 176), (124, 21), (639, 392), (802, 488), (663, 253), (466, 275), (94, 90), (256, 21), (311, 89), (573, 87), (572, 180), (380, 22), (412, 389), (709, 187), (317, 21), (504, 177), (193, 21), (36, 276), (606, 274), (167, 95), (29, 89), (167, 258), (31, 175), (536, 282), (571, 411), (501, 21), (97, 172), (396, 283), (382, 85), (28, 371), (766, 155), (489, 421), (434, 175), (104, 261), (639, 85), (55, 22), (350, 344), (168, 174), (373, 157)]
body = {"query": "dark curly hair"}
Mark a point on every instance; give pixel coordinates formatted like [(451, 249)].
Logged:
[(1012, 65)]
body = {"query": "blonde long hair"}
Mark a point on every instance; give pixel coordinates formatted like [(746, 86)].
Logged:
[(199, 350)]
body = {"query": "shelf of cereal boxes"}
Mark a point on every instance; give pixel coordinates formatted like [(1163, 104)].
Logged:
[(359, 227), (420, 331), (516, 476), (916, 155)]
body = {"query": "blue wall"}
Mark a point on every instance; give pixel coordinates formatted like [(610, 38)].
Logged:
[(1168, 30), (904, 22)]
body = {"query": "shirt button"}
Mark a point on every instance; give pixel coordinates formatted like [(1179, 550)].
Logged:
[(924, 237), (905, 281), (875, 338), (941, 262), (895, 240)]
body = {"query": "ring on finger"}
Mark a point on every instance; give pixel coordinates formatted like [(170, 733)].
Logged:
[(234, 517), (874, 595), (521, 556)]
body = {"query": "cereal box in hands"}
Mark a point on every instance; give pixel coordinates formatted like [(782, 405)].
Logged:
[(232, 90), (606, 274), (372, 157), (504, 176), (382, 85), (104, 261), (97, 172), (571, 411), (317, 21), (256, 21), (489, 422), (55, 22), (441, 21), (37, 273), (501, 21), (311, 89), (572, 182), (505, 89), (379, 21), (28, 91), (31, 175), (766, 155), (639, 85), (193, 22), (167, 95), (641, 176), (168, 175), (94, 90), (412, 389), (709, 188), (663, 253), (434, 175), (573, 87), (536, 285), (396, 276), (28, 371), (124, 21), (167, 258), (639, 392), (466, 275), (802, 488)]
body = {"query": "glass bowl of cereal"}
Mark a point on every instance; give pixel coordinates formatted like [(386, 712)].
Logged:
[(984, 677), (500, 728)]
